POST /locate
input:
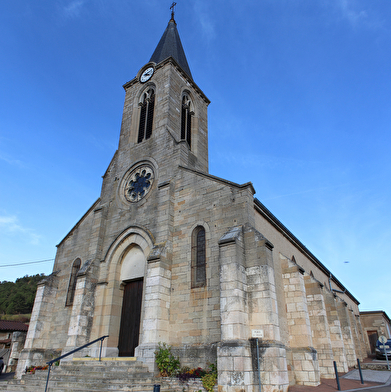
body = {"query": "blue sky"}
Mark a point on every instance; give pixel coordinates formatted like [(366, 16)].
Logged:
[(301, 106)]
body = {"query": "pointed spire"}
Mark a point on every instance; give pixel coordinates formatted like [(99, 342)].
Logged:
[(170, 46)]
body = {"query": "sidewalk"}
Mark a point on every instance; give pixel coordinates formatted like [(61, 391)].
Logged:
[(350, 381)]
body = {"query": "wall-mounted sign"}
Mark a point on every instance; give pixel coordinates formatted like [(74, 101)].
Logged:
[(257, 333)]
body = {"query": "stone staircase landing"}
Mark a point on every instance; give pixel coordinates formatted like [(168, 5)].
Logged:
[(110, 374)]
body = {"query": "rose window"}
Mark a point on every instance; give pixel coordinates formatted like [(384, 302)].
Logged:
[(138, 184)]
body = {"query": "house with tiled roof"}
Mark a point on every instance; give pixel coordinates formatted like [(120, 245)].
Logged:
[(6, 330), (12, 338), (375, 323)]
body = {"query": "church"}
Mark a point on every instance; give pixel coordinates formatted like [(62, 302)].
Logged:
[(173, 254)]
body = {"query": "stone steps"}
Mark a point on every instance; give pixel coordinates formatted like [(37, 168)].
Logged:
[(41, 388), (105, 374), (92, 376)]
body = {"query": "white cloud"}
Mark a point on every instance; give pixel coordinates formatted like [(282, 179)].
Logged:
[(354, 16), (11, 161), (73, 9), (9, 222), (207, 25), (10, 225)]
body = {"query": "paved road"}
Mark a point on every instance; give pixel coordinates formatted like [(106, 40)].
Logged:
[(381, 376), (385, 388)]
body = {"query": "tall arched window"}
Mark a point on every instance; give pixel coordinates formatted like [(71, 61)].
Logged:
[(186, 119), (147, 105), (72, 282), (198, 257)]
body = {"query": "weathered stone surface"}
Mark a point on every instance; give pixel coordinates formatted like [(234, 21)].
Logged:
[(251, 274)]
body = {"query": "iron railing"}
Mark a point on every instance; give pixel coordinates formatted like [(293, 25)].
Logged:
[(50, 363)]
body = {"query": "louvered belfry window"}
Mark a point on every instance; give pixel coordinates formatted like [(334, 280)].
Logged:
[(198, 258), (147, 107), (186, 120), (72, 282)]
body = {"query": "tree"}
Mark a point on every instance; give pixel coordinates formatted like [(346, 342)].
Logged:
[(18, 297)]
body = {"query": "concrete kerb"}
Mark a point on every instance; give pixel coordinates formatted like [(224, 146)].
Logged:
[(380, 376)]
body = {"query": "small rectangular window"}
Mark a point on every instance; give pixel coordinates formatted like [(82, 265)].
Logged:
[(198, 254)]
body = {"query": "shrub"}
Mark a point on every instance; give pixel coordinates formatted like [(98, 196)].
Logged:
[(32, 369), (209, 381), (210, 378), (186, 373), (166, 362)]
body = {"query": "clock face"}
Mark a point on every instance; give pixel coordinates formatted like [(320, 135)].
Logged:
[(147, 74), (138, 183)]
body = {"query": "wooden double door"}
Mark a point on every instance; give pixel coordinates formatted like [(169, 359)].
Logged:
[(130, 318)]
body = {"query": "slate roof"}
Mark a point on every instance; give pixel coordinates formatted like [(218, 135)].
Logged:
[(13, 326), (170, 46)]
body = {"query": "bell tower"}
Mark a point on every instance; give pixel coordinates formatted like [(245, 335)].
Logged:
[(165, 112), (164, 136)]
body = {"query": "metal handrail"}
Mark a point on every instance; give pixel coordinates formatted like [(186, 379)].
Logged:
[(50, 363)]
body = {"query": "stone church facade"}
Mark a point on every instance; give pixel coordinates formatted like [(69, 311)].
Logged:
[(170, 253)]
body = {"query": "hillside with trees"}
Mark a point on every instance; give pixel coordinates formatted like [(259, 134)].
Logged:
[(18, 297)]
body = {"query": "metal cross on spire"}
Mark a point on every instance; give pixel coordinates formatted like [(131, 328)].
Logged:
[(172, 8)]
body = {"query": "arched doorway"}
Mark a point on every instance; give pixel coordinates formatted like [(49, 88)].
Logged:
[(132, 274)]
